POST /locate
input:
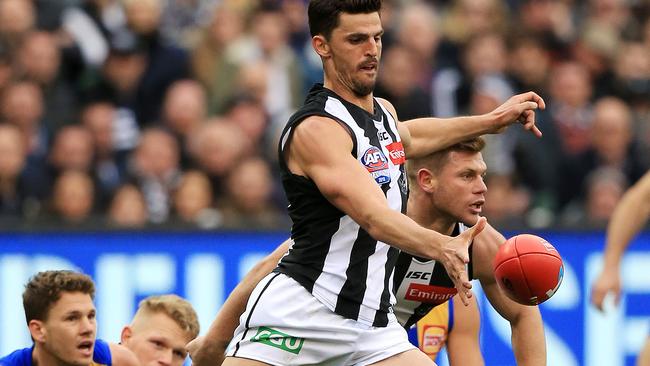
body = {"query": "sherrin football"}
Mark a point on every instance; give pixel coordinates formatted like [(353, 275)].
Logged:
[(528, 269)]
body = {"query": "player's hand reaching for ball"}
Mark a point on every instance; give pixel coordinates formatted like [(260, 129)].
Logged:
[(608, 281), (518, 109), (455, 256)]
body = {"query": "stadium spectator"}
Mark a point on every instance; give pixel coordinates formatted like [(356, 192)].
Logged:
[(184, 110), (216, 148), (214, 61), (248, 201), (156, 169), (110, 163), (128, 208), (612, 144), (72, 200), (12, 164), (400, 83), (193, 201), (252, 119), (604, 187), (529, 64), (72, 149), (269, 46), (39, 60), (89, 27), (166, 62), (17, 17), (424, 54)]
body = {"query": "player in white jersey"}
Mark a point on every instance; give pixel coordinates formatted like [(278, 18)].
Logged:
[(341, 157), (446, 188)]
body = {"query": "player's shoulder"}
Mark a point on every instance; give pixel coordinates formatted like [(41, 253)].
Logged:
[(102, 354), (20, 357), (122, 356), (388, 105)]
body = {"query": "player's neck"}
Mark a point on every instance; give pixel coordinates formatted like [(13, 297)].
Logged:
[(41, 357), (430, 218), (365, 102)]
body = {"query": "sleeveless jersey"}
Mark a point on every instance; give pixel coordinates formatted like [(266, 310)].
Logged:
[(23, 357), (431, 332), (332, 256), (421, 284)]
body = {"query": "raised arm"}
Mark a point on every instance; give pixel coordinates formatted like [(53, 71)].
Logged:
[(320, 149), (210, 349), (629, 217), (422, 136), (463, 347), (528, 342)]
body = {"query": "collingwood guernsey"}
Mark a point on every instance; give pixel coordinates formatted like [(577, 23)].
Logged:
[(422, 284), (332, 256)]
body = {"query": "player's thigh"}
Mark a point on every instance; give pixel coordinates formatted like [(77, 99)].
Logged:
[(413, 357), (644, 355), (237, 361)]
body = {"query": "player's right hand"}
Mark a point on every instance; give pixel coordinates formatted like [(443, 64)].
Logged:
[(608, 281), (519, 108), (456, 256)]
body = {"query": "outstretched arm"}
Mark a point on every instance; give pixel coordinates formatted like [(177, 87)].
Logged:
[(463, 347), (528, 342), (629, 217), (423, 136), (320, 149), (210, 349)]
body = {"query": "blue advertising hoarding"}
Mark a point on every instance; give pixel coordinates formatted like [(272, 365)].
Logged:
[(204, 267)]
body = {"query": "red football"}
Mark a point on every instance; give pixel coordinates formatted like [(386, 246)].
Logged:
[(528, 269)]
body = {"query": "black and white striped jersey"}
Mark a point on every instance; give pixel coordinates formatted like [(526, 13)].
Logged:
[(422, 284), (332, 256)]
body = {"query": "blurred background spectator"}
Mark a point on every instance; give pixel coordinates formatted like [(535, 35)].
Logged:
[(133, 113)]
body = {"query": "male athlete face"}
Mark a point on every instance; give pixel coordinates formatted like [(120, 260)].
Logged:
[(460, 189), (156, 340), (69, 331), (355, 48)]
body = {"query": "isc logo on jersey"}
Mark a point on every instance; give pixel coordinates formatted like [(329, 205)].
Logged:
[(376, 164)]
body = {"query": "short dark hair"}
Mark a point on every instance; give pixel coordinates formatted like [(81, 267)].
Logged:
[(45, 288), (435, 161), (324, 14)]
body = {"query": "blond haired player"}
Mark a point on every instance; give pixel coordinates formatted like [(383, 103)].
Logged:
[(160, 329)]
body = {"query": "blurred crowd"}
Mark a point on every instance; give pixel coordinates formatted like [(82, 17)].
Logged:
[(136, 113)]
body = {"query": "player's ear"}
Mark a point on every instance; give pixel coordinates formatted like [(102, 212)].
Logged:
[(37, 330), (321, 46), (127, 332), (426, 180)]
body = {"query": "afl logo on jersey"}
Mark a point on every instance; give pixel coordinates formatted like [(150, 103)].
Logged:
[(377, 165)]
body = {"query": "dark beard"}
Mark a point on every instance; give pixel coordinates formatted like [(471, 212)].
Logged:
[(362, 90)]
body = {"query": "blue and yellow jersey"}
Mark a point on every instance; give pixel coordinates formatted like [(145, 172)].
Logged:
[(23, 357), (430, 333)]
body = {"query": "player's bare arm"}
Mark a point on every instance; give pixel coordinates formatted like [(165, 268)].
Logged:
[(320, 149), (628, 218), (210, 349), (423, 136), (122, 356), (463, 347), (528, 342)]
